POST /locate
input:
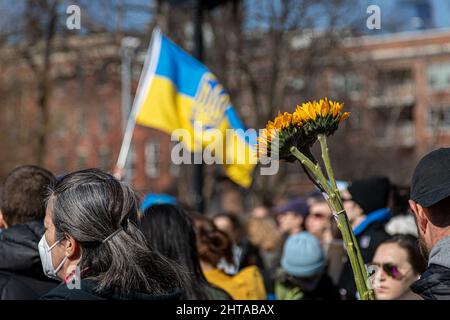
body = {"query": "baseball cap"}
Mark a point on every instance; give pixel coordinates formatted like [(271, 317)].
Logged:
[(430, 182)]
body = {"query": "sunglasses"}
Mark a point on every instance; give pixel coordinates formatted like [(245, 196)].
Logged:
[(390, 269), (318, 215)]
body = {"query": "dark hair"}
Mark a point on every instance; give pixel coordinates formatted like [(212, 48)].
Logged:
[(399, 200), (317, 196), (212, 244), (439, 213), (170, 231), (98, 211), (234, 220), (23, 194), (410, 245)]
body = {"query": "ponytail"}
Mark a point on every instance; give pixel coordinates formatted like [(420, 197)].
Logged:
[(99, 212)]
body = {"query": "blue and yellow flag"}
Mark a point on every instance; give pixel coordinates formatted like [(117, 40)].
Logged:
[(176, 92)]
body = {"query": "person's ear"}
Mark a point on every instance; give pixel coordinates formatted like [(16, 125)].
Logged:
[(3, 224), (419, 213), (359, 210), (72, 249)]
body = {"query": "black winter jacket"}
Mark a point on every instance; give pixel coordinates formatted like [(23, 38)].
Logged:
[(87, 292), (21, 275), (434, 284)]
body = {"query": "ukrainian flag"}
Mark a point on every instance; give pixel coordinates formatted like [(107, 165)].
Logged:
[(176, 91)]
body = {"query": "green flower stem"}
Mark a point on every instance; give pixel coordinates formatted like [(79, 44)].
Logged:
[(326, 160), (335, 202), (367, 292), (314, 168)]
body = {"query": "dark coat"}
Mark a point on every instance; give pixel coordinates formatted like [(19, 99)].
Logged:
[(87, 292), (368, 241), (21, 275), (434, 284), (294, 288)]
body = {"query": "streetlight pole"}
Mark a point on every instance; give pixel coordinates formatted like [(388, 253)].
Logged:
[(198, 52)]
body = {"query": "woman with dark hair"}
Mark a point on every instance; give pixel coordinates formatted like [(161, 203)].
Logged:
[(215, 246), (244, 252), (398, 263), (170, 231), (92, 243)]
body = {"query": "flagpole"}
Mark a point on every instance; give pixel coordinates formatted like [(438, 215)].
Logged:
[(145, 79), (127, 51), (197, 172)]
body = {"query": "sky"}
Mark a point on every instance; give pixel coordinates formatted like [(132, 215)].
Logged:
[(440, 10), (138, 18), (389, 9)]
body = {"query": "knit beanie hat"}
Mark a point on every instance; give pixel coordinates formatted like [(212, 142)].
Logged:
[(371, 194), (303, 255), (295, 205)]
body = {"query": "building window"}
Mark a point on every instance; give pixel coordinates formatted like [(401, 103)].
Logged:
[(104, 158), (152, 162), (439, 76), (439, 118), (391, 80), (346, 84), (297, 83)]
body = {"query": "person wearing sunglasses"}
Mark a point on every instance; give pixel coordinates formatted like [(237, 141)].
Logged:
[(366, 204), (396, 265), (318, 222)]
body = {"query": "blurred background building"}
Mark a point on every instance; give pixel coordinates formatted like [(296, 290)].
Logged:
[(60, 91)]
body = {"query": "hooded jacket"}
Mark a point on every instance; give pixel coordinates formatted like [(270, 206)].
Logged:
[(21, 275), (289, 287), (87, 292), (247, 284), (434, 284)]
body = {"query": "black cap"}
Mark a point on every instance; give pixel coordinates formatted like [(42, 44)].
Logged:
[(431, 179), (371, 193)]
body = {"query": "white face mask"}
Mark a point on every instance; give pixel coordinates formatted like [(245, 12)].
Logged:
[(46, 259)]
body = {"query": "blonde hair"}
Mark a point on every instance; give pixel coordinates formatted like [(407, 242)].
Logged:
[(263, 233)]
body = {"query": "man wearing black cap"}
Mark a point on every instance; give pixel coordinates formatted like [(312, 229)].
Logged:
[(430, 203), (365, 202)]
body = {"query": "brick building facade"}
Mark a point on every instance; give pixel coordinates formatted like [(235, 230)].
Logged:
[(398, 79)]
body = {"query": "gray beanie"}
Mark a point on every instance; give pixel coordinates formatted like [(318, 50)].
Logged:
[(303, 255)]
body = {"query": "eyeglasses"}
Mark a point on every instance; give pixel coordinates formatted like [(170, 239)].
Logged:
[(390, 269)]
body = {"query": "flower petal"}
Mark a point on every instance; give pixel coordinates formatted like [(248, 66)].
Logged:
[(344, 116)]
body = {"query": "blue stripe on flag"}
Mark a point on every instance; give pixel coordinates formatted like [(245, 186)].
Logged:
[(178, 66), (235, 122)]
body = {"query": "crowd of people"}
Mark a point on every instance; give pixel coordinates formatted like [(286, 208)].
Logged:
[(86, 235)]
